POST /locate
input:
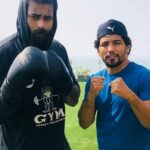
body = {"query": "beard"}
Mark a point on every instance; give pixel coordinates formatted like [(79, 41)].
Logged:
[(40, 38), (113, 60)]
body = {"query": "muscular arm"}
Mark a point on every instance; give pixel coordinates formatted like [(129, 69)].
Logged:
[(140, 108), (87, 112)]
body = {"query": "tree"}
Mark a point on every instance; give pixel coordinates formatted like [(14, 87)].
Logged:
[(81, 73)]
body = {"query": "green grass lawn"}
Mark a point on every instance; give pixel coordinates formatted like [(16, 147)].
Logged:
[(78, 138)]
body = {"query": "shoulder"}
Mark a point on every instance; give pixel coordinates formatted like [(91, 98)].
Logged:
[(8, 51), (8, 40), (141, 75), (140, 69), (7, 44), (57, 46), (60, 50)]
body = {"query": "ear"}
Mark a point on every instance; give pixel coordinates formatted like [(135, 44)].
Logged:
[(98, 52), (128, 49)]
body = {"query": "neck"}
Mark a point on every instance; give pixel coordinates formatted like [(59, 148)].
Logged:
[(118, 68)]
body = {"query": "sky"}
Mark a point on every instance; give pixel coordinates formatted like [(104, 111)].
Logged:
[(78, 21)]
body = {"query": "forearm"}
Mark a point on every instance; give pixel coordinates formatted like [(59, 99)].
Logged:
[(87, 112), (141, 109), (72, 98)]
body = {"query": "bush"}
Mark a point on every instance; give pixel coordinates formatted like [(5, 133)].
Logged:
[(82, 78)]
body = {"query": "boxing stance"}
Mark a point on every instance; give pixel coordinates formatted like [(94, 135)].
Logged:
[(36, 81), (29, 70)]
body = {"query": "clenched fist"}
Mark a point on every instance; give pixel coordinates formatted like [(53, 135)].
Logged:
[(97, 84), (119, 88)]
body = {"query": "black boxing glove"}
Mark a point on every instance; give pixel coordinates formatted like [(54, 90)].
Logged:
[(32, 63), (59, 73), (28, 65)]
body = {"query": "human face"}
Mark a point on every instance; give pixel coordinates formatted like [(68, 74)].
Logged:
[(113, 50), (40, 22)]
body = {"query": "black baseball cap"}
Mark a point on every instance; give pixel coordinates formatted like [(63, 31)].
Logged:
[(112, 27)]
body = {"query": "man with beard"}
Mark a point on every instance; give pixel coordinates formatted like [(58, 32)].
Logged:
[(36, 81), (119, 96)]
